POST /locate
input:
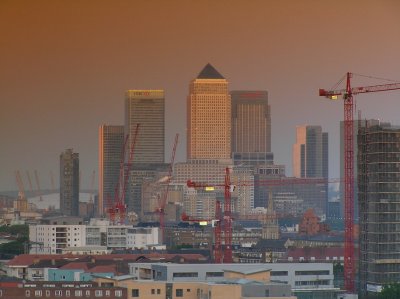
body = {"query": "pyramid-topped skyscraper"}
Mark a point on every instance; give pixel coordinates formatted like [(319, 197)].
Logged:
[(209, 116)]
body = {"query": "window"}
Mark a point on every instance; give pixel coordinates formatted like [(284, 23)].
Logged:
[(118, 293), (38, 293), (98, 293), (58, 293), (67, 293), (214, 274), (153, 291), (27, 293), (108, 293), (78, 293), (279, 273), (87, 293), (179, 292), (47, 293), (158, 291), (135, 292), (312, 272), (187, 290), (186, 274)]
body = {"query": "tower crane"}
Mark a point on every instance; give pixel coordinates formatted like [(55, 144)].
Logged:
[(348, 93), (161, 208), (20, 184)]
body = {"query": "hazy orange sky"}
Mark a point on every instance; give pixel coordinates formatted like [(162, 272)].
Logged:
[(65, 65)]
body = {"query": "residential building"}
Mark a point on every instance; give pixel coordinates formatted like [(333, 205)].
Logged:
[(300, 276), (235, 285), (209, 116), (379, 206), (35, 266), (251, 127), (111, 147), (69, 183), (57, 238)]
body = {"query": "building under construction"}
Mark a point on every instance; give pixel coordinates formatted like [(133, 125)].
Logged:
[(379, 207)]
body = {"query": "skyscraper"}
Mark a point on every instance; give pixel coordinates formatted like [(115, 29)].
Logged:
[(147, 108), (251, 127), (69, 183), (379, 207), (111, 143), (209, 116), (310, 152)]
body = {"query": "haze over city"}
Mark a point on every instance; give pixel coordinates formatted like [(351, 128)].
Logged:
[(64, 68)]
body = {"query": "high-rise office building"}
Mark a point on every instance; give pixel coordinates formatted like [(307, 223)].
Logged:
[(209, 116), (379, 207), (310, 152), (251, 127), (146, 108), (111, 143), (69, 183)]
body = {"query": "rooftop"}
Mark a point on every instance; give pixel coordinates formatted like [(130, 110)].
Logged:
[(209, 72)]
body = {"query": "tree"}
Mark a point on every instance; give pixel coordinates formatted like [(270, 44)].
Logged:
[(390, 291)]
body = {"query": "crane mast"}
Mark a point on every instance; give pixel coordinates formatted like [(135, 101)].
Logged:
[(348, 94)]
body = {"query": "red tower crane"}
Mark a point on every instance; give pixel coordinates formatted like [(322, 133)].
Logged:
[(220, 254), (161, 208), (348, 93)]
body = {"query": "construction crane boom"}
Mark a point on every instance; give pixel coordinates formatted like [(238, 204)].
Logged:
[(348, 93), (332, 94), (20, 184)]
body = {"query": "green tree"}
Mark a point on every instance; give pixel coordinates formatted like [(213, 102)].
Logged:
[(15, 247), (390, 291)]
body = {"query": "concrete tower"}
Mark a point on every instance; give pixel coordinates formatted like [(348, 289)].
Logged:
[(310, 152), (379, 207), (111, 142), (251, 127), (147, 108), (69, 183), (209, 116)]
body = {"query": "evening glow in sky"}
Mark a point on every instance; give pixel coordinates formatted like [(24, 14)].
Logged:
[(65, 65)]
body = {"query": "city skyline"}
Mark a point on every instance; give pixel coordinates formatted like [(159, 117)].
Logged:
[(71, 61)]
